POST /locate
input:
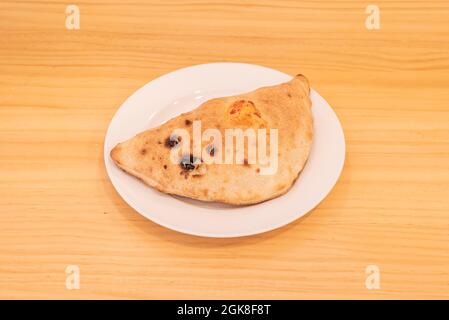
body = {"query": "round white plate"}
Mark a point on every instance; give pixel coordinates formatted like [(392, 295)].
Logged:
[(185, 89)]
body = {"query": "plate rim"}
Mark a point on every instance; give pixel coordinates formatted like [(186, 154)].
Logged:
[(123, 194)]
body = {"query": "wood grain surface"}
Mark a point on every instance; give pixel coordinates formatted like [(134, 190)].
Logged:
[(60, 88)]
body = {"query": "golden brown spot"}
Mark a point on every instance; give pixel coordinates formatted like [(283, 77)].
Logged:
[(289, 95), (240, 105), (165, 166), (244, 113), (188, 122), (143, 151), (258, 170), (236, 106), (205, 192), (245, 162)]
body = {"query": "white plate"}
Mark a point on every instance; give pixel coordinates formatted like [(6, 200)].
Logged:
[(185, 89)]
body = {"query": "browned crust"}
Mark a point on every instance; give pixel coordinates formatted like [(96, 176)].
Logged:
[(264, 104)]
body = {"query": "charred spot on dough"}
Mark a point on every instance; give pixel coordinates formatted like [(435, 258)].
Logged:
[(159, 142), (172, 141), (165, 166), (189, 162), (193, 166), (188, 122), (143, 151), (184, 173), (210, 150), (245, 162)]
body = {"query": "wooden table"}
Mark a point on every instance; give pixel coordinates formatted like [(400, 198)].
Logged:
[(60, 88)]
